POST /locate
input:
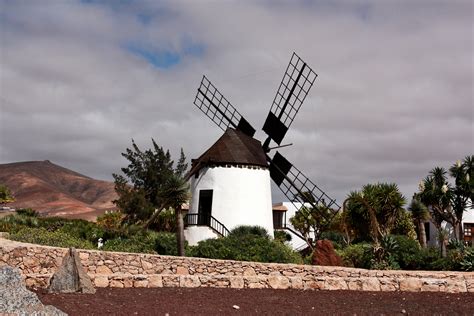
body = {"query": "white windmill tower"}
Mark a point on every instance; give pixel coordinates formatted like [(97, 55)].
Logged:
[(230, 182)]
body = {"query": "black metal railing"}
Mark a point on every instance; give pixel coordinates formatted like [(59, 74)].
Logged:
[(283, 226), (206, 220)]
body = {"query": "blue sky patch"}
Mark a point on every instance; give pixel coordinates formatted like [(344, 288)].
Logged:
[(160, 59), (166, 58)]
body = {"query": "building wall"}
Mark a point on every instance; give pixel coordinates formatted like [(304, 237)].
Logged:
[(468, 217), (241, 196), (194, 234), (296, 242), (114, 269)]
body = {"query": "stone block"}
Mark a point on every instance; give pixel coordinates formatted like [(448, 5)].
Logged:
[(470, 285), (189, 281), (101, 281), (171, 280), (456, 286), (354, 284), (103, 270), (237, 282), (182, 271), (278, 282), (410, 284), (140, 283), (128, 282), (296, 282), (116, 283), (370, 284), (313, 285), (84, 255), (256, 286), (336, 284), (155, 281), (249, 272), (146, 265), (388, 284)]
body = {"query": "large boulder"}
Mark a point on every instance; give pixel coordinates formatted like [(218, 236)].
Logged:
[(15, 299), (71, 277), (325, 255)]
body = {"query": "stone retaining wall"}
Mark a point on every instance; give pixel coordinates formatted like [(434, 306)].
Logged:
[(114, 269)]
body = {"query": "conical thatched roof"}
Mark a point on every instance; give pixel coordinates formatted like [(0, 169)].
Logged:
[(232, 148)]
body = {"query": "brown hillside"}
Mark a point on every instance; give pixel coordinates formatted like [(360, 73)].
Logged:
[(57, 191)]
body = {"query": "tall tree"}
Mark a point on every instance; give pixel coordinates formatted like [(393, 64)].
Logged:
[(463, 191), (6, 195), (446, 202), (311, 222), (373, 211), (151, 184), (420, 215)]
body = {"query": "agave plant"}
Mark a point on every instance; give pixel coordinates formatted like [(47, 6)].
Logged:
[(467, 263)]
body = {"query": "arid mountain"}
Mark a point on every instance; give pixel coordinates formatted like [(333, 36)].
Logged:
[(56, 191)]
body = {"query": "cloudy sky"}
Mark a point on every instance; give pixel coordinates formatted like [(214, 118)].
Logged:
[(393, 99)]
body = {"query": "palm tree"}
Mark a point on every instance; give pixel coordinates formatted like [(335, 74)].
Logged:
[(463, 190), (420, 214), (174, 194), (374, 210), (443, 236)]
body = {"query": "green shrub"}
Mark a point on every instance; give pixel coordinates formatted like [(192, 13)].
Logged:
[(27, 212), (282, 236), (246, 244), (357, 255), (384, 256), (408, 255), (53, 223), (467, 262), (15, 222), (245, 230), (165, 222), (213, 248), (110, 220), (83, 229), (163, 243), (128, 245), (427, 257), (42, 236), (166, 244)]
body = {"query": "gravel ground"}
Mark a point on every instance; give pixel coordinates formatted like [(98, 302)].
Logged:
[(214, 301)]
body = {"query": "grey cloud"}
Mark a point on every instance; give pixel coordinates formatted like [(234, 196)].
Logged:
[(393, 98)]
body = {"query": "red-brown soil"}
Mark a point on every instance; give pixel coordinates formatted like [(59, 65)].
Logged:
[(56, 191), (214, 301)]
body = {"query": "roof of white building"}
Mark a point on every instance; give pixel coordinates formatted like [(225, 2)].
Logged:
[(232, 148)]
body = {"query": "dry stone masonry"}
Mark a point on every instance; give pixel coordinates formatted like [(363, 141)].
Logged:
[(113, 269)]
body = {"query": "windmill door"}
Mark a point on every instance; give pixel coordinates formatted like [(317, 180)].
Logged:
[(205, 207)]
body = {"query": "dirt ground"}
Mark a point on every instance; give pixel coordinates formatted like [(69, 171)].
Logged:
[(213, 301)]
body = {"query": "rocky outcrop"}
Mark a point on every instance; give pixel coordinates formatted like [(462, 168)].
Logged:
[(71, 277), (15, 299), (325, 255)]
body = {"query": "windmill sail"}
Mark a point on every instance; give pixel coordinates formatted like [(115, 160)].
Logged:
[(296, 186), (291, 93), (212, 103)]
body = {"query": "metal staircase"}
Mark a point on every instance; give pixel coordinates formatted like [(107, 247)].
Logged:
[(197, 219)]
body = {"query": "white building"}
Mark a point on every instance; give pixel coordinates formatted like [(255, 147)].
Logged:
[(282, 212), (230, 186), (467, 225)]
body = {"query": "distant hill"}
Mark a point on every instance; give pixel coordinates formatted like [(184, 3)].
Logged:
[(57, 191)]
